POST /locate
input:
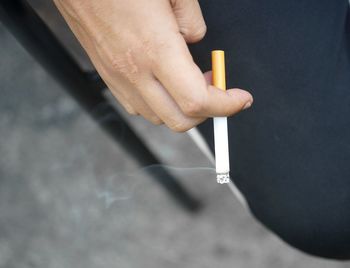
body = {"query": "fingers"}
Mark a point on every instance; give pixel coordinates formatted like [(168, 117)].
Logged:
[(189, 19), (133, 102), (156, 96), (190, 90)]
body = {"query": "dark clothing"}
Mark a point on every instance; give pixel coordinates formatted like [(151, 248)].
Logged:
[(290, 153)]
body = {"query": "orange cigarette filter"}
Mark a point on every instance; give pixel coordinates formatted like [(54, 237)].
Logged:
[(218, 69)]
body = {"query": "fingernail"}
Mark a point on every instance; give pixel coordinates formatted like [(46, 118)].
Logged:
[(247, 105)]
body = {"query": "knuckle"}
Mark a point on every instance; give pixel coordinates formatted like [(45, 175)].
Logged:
[(156, 121), (126, 66), (179, 127), (192, 107), (199, 32), (156, 52), (194, 33), (133, 113), (186, 30), (130, 110), (149, 47)]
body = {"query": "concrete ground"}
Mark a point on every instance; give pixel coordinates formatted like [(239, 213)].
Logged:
[(70, 197)]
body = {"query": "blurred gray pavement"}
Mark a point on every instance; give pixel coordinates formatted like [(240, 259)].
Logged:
[(70, 197)]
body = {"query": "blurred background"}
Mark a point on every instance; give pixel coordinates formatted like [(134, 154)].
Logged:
[(71, 197)]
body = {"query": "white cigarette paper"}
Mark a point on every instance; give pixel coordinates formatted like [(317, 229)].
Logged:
[(222, 160)]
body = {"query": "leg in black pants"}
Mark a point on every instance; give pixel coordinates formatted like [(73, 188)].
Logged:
[(290, 153)]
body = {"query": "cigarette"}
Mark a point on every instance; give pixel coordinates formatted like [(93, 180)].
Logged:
[(222, 159)]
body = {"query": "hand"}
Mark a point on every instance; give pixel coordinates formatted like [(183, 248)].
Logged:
[(139, 49)]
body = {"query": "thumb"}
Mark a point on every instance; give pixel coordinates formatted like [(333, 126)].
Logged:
[(189, 19)]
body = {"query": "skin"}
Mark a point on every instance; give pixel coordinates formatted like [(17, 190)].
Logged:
[(139, 47)]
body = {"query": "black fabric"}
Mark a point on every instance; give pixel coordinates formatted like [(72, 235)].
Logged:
[(290, 153)]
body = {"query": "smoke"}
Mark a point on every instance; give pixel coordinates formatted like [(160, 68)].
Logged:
[(107, 114), (109, 198), (122, 186)]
